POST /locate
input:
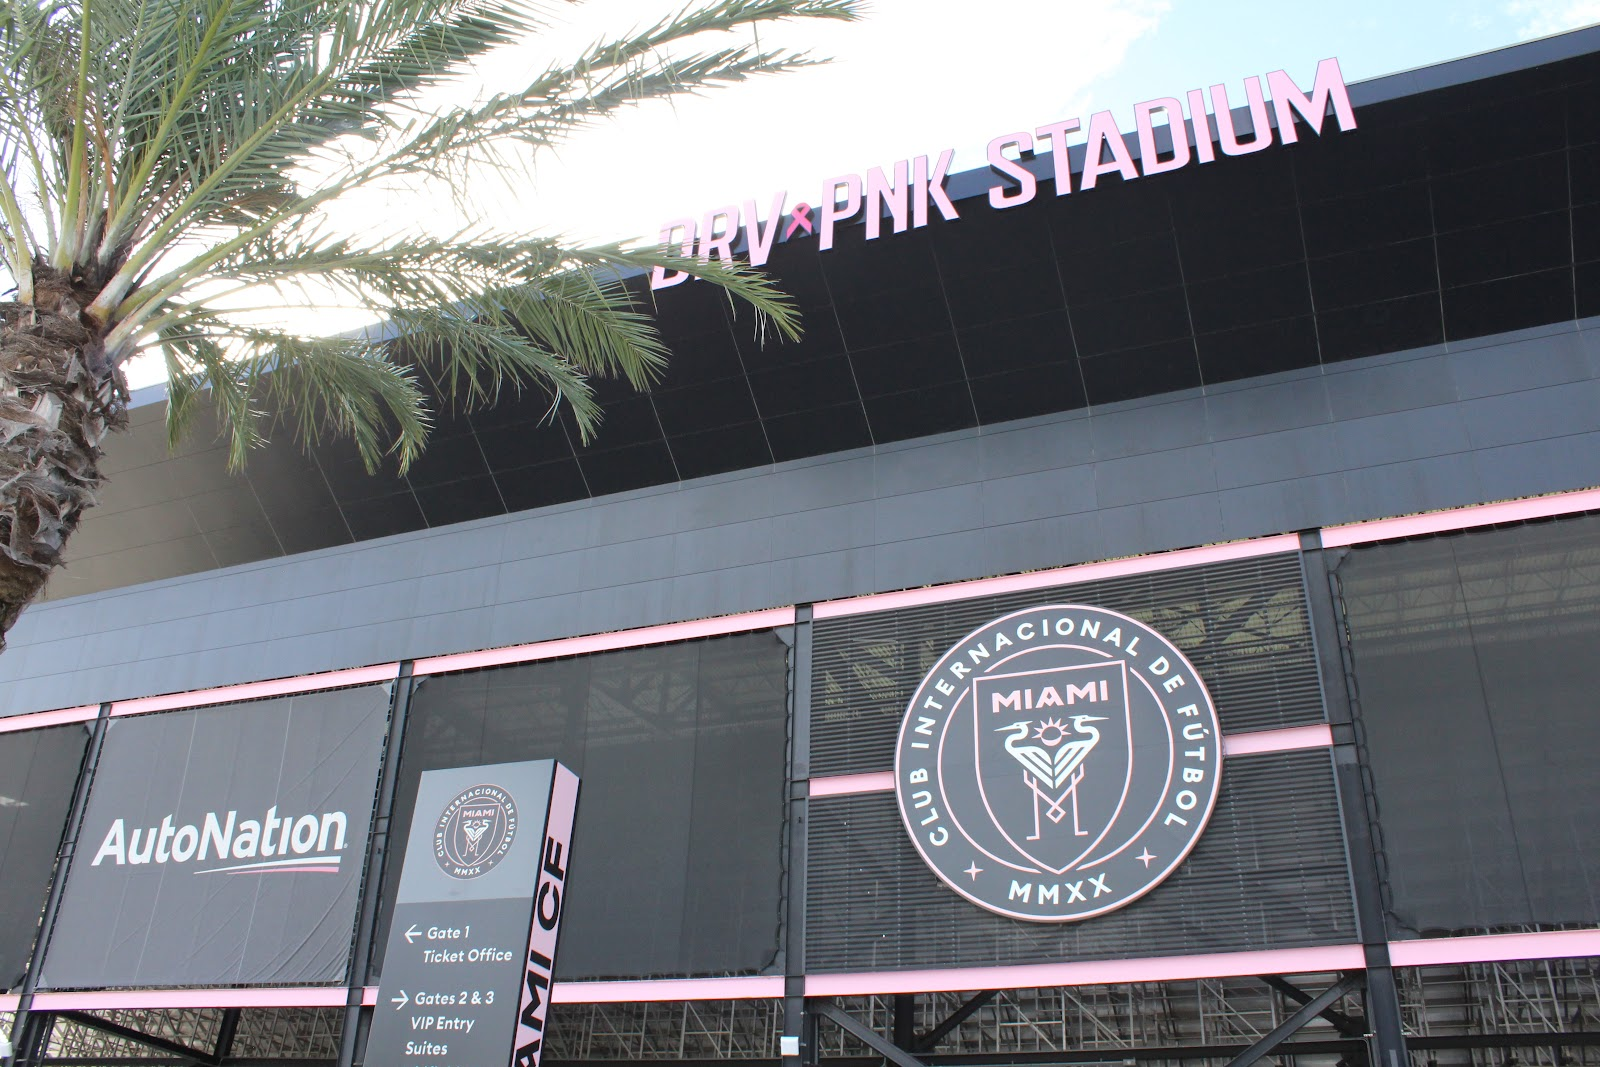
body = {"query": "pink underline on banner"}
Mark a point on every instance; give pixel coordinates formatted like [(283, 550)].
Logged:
[(750, 988), (576, 646), (1081, 572), (1248, 744), (1492, 947), (316, 997), (1091, 972), (1461, 518), (36, 719), (305, 683)]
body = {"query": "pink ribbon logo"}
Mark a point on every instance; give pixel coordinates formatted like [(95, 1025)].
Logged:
[(800, 216)]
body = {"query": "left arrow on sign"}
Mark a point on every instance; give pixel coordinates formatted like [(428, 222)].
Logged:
[(412, 934), (401, 1001)]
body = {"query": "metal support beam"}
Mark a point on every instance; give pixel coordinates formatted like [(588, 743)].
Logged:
[(930, 1040), (798, 1022), (1308, 1011), (33, 1036), (870, 1037), (1386, 1038), (225, 1035), (372, 884), (31, 1033), (905, 1021), (106, 1026), (1347, 1025)]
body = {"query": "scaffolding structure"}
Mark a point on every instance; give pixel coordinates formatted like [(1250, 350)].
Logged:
[(1533, 1013), (1526, 1001)]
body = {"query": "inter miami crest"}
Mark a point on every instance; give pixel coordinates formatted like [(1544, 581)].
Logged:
[(1058, 763), (475, 831)]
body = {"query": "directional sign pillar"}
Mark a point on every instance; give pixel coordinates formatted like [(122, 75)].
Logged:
[(466, 975)]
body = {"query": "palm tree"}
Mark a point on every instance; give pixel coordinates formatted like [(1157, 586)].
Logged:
[(155, 155)]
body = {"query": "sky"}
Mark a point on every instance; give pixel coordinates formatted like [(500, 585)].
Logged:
[(915, 77)]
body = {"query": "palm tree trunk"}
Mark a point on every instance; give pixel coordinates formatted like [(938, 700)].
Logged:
[(58, 400)]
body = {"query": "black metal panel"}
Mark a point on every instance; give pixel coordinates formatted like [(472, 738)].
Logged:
[(38, 772), (1269, 872), (1242, 624), (1476, 673)]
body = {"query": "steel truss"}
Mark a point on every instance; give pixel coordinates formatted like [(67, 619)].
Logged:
[(1118, 1021), (1528, 1001), (1476, 1015), (1538, 1013), (674, 1030), (208, 1037)]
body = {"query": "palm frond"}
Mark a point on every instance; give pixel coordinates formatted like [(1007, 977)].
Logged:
[(135, 131)]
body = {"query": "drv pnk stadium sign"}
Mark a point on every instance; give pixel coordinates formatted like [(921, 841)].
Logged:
[(912, 188), (1058, 763)]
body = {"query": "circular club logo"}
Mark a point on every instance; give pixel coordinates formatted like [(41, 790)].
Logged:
[(1058, 763), (475, 831)]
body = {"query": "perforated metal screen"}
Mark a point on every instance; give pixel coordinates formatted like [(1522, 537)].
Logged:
[(1269, 872), (1242, 623), (1478, 649)]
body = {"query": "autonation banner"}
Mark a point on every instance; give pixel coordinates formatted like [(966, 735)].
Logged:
[(223, 846)]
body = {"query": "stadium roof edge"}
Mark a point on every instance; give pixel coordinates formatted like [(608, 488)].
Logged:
[(1524, 55)]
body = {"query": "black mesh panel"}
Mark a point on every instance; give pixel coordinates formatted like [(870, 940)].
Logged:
[(1476, 666), (1242, 624), (677, 851), (38, 772), (1269, 872)]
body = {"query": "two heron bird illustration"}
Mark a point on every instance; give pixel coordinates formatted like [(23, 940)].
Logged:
[(1056, 761), (474, 832)]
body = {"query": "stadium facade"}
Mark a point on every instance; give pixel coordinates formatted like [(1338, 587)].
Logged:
[(1317, 418)]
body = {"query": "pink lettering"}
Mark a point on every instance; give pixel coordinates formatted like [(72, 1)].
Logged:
[(1149, 158), (1027, 184), (832, 210)]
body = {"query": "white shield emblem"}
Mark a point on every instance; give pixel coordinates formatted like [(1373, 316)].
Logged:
[(1053, 755)]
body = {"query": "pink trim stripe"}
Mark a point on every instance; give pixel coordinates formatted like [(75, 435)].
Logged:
[(1461, 518), (306, 683), (9, 1002), (577, 646), (1285, 740), (1551, 944), (36, 719), (317, 997), (836, 785), (1094, 972), (753, 988), (1081, 572), (1249, 744)]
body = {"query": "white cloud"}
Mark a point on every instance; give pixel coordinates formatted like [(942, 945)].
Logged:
[(1541, 18), (913, 78)]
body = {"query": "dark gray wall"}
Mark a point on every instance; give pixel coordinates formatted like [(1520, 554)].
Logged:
[(1501, 417)]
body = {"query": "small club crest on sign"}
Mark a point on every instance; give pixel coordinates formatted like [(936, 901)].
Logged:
[(475, 831)]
